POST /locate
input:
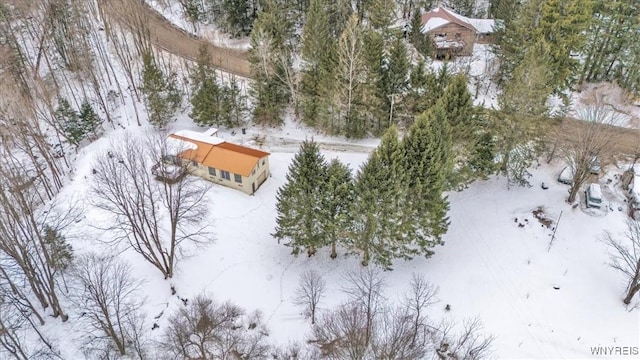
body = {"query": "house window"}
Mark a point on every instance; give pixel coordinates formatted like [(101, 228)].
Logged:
[(262, 162), (212, 171), (237, 178), (194, 163), (225, 175)]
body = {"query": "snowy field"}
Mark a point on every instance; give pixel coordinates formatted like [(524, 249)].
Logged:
[(495, 264), (539, 302)]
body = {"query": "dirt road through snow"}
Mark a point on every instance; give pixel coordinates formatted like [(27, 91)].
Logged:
[(163, 34)]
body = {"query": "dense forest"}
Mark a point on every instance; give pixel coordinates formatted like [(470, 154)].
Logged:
[(68, 68)]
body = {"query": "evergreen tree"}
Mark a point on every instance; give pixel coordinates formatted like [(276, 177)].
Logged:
[(370, 235), (482, 161), (428, 163), (503, 10), (458, 105), (419, 40), (237, 17), (233, 104), (67, 117), (193, 11), (271, 39), (462, 7), (375, 115), (562, 25), (427, 87), (556, 25), (60, 251), (88, 119), (527, 91), (206, 99), (517, 139), (381, 17), (318, 54), (338, 199), (611, 52), (161, 96), (395, 76), (338, 14), (301, 200), (464, 127)]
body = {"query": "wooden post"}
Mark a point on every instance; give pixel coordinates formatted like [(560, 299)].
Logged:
[(553, 236)]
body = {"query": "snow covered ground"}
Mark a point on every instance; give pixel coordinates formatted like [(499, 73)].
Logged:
[(538, 302), (495, 264)]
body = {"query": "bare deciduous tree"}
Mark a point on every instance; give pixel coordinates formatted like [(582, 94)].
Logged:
[(155, 218), (469, 344), (342, 333), (295, 351), (417, 300), (590, 138), (395, 336), (16, 326), (394, 332), (625, 257), (106, 295), (365, 289), (310, 292), (205, 329), (33, 248)]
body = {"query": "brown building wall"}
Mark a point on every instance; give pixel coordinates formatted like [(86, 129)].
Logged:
[(455, 32)]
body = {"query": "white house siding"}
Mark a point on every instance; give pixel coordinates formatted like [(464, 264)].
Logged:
[(247, 181)]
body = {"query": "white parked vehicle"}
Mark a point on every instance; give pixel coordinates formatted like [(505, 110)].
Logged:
[(593, 196), (566, 176)]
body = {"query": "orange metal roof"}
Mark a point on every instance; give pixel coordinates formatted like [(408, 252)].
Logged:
[(226, 156)]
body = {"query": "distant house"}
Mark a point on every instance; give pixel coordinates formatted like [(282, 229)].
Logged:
[(453, 34), (212, 158)]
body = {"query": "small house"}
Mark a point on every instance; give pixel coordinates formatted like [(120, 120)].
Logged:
[(453, 34), (210, 157)]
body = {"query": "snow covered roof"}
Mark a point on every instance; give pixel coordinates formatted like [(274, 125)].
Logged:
[(441, 16), (594, 191), (484, 26), (175, 146), (205, 137), (433, 23), (214, 152)]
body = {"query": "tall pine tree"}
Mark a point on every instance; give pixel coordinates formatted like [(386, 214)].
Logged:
[(206, 93), (89, 120), (383, 229), (465, 129), (161, 96), (301, 200), (271, 39), (337, 201), (67, 117), (318, 55), (428, 163)]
